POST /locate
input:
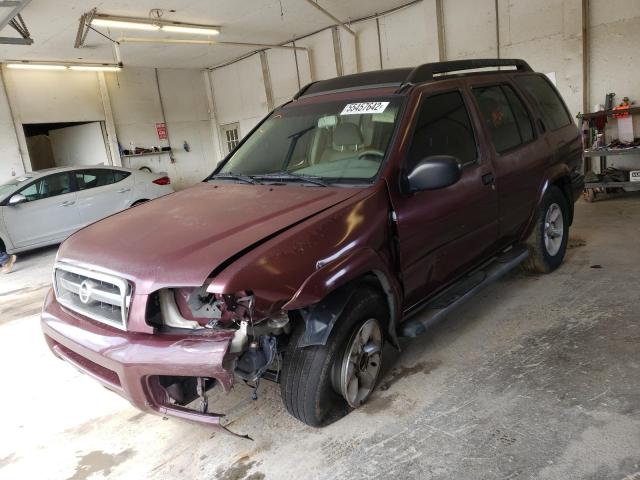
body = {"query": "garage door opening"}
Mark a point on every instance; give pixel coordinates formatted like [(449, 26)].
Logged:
[(64, 144)]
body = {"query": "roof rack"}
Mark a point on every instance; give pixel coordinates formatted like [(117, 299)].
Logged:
[(405, 76), (426, 72)]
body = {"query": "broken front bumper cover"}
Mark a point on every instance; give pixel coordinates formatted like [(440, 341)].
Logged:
[(131, 364)]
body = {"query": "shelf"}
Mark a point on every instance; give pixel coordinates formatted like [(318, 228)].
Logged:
[(611, 152), (146, 154), (608, 113), (611, 184)]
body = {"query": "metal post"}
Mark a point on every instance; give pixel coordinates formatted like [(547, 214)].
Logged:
[(337, 51), (26, 162), (112, 139), (442, 52), (379, 42), (497, 31), (295, 57), (164, 118), (213, 114), (266, 76), (586, 60)]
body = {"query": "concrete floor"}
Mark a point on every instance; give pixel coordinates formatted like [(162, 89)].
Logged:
[(538, 377)]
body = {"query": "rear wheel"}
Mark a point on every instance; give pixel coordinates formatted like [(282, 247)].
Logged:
[(322, 383), (548, 241)]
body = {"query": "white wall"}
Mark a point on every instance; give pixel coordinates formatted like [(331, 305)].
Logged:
[(51, 97), (79, 145), (10, 157)]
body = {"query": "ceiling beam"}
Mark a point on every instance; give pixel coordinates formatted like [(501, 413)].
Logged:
[(331, 16), (16, 10), (16, 41), (188, 41)]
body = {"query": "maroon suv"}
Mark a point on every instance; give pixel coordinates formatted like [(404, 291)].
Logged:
[(366, 199)]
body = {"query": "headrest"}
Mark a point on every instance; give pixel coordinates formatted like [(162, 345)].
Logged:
[(347, 134)]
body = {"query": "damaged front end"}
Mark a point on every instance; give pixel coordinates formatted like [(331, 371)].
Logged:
[(253, 339)]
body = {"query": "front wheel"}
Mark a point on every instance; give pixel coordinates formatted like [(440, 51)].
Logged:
[(548, 241), (322, 383)]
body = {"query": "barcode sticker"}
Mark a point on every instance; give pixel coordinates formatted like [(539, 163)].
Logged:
[(364, 108)]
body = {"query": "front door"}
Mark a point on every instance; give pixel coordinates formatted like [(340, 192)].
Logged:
[(49, 215), (442, 233)]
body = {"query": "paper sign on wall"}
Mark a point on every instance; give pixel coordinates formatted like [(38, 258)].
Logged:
[(161, 128), (364, 108)]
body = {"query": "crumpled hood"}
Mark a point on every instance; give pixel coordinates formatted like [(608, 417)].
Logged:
[(179, 239)]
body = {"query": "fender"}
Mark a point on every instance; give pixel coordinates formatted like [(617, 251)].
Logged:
[(324, 294), (551, 176)]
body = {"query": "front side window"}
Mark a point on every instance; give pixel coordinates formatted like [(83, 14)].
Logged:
[(332, 141), (443, 128), (98, 177), (505, 116), (46, 187), (553, 111)]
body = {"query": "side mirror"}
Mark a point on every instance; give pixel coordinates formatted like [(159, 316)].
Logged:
[(434, 172), (17, 199)]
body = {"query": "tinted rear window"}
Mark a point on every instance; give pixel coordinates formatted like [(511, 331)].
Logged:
[(553, 112)]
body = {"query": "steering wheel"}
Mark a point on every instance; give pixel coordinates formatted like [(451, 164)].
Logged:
[(371, 153)]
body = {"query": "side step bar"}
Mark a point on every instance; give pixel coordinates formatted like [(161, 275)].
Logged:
[(437, 308)]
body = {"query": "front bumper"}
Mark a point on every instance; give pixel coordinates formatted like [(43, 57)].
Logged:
[(131, 364)]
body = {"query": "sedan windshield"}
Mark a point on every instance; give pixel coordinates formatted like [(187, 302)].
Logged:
[(333, 141), (11, 186)]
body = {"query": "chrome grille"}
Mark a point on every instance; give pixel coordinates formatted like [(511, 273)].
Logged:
[(96, 295)]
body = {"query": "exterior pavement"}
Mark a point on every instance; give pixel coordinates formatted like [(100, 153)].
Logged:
[(537, 377)]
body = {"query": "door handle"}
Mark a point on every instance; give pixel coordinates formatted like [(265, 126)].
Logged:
[(68, 203), (124, 190), (488, 178)]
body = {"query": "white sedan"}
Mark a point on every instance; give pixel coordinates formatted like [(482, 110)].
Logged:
[(45, 207)]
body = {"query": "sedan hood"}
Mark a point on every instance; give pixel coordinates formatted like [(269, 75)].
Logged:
[(179, 239)]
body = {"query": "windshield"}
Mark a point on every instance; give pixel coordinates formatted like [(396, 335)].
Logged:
[(12, 185), (331, 141)]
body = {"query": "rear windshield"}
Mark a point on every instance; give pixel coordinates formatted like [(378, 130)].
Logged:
[(333, 141)]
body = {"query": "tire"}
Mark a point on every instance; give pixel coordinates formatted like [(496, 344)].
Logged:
[(546, 252), (138, 202), (311, 375)]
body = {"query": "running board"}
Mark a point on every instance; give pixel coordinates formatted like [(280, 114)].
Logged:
[(437, 308)]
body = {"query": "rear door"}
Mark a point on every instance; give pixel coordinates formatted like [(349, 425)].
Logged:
[(561, 132), (49, 215), (519, 153), (102, 192), (442, 233)]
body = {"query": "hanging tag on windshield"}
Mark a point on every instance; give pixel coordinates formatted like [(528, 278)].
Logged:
[(364, 108)]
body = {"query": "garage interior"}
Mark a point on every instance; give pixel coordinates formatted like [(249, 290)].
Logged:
[(535, 377)]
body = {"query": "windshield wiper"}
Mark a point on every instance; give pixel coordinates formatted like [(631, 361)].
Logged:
[(290, 176), (233, 176)]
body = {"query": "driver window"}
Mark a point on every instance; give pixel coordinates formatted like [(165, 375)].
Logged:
[(443, 128), (46, 187)]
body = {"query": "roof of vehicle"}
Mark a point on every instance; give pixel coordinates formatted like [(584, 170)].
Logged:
[(47, 171), (401, 77)]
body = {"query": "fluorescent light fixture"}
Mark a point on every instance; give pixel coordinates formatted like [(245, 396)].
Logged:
[(105, 22), (95, 68), (36, 66), (194, 30)]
